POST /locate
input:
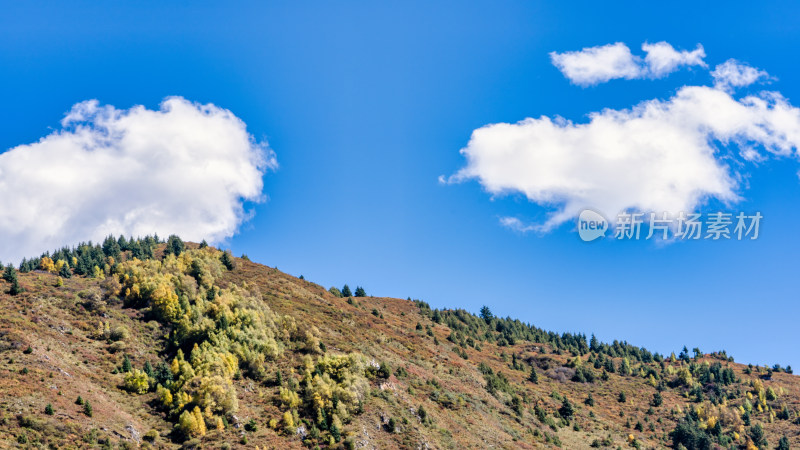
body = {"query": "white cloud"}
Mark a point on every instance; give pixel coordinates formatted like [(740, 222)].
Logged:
[(733, 74), (516, 224), (185, 168), (663, 59), (594, 65), (661, 155)]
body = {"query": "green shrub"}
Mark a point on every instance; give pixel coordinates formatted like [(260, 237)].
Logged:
[(391, 426), (384, 371), (151, 436)]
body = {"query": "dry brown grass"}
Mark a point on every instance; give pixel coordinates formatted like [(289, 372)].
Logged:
[(67, 361)]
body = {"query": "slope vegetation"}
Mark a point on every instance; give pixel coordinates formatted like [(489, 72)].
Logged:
[(144, 343)]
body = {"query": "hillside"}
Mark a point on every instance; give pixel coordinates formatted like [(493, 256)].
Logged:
[(184, 345)]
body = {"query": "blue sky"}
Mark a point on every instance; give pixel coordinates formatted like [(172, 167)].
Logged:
[(366, 105)]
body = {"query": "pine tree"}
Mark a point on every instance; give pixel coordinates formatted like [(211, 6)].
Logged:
[(65, 271), (79, 400), (566, 410), (136, 249), (87, 408), (175, 246), (163, 374), (126, 364), (227, 260), (111, 247), (360, 292), (10, 274), (123, 243), (657, 399), (148, 369), (49, 409), (533, 377), (346, 291), (486, 314), (757, 434), (622, 398), (15, 287)]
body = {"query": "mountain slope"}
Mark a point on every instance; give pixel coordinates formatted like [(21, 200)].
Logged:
[(242, 355)]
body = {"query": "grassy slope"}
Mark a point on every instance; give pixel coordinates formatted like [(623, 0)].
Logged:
[(67, 362)]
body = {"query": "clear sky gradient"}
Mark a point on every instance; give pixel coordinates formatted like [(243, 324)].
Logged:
[(366, 104)]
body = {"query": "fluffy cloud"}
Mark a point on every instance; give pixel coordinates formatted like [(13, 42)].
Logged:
[(663, 59), (595, 65), (661, 155), (732, 74), (185, 168), (598, 64)]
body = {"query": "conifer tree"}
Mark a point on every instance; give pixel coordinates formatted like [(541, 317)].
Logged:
[(533, 377), (65, 271), (9, 274), (175, 246), (346, 291), (15, 287), (111, 247), (486, 314), (123, 243), (594, 345), (657, 399), (148, 369), (227, 260), (566, 410)]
